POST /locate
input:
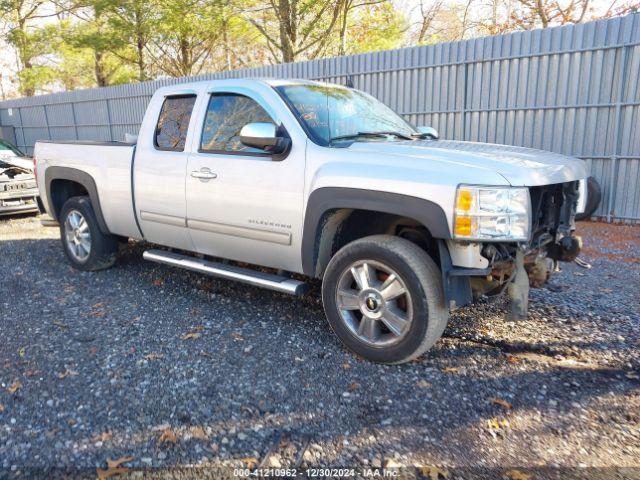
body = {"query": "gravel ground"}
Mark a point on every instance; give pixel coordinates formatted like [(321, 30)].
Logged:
[(175, 369)]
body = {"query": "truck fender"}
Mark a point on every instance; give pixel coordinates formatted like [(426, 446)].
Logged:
[(84, 179), (325, 199)]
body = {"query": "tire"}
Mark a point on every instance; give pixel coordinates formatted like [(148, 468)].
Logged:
[(594, 197), (102, 248), (422, 304)]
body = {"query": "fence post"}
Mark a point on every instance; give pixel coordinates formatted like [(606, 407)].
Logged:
[(46, 121), (24, 142), (75, 122), (109, 120)]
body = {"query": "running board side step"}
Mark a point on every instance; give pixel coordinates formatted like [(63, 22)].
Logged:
[(229, 272)]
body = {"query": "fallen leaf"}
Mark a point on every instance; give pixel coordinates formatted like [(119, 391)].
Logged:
[(199, 433), (517, 475), (105, 436), (67, 373), (22, 352), (606, 290), (14, 387), (512, 359), (433, 473), (354, 386), (236, 336), (497, 426), (450, 369), (168, 436), (190, 336), (423, 384), (503, 403), (1, 408), (158, 282), (346, 366), (61, 325), (250, 461), (97, 305), (111, 472), (71, 422), (93, 350), (153, 356), (113, 468)]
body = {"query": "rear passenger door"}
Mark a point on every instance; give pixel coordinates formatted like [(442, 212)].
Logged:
[(160, 170)]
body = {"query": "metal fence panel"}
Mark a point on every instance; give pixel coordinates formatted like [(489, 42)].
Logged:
[(573, 90)]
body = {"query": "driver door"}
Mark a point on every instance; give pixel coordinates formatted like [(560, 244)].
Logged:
[(243, 203)]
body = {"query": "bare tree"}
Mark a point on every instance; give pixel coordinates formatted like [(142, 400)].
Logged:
[(428, 13), (296, 28)]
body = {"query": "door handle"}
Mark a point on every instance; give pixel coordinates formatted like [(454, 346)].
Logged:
[(204, 173)]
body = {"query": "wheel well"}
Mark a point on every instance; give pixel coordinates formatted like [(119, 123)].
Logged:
[(62, 190), (341, 226)]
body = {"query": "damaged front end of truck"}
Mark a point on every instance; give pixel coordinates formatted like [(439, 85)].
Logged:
[(547, 236), (18, 189)]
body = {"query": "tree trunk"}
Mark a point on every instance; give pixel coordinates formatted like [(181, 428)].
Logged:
[(140, 41), (343, 27), (101, 76), (288, 29)]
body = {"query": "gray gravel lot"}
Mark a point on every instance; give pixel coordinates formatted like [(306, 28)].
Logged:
[(175, 369)]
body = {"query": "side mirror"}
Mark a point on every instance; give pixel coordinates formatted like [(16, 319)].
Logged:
[(428, 132), (263, 135)]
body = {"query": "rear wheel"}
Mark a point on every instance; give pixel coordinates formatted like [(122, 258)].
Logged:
[(383, 297), (84, 244)]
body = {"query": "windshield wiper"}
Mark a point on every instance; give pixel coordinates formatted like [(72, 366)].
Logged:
[(371, 134)]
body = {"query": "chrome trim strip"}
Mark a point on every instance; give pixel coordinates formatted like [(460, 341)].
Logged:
[(282, 238), (165, 219), (230, 272)]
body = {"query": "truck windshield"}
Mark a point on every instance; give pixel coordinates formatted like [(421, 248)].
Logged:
[(333, 115)]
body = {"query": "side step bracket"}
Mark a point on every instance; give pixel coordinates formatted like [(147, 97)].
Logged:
[(230, 272)]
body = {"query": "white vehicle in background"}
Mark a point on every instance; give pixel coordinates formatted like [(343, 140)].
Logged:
[(18, 189), (324, 181)]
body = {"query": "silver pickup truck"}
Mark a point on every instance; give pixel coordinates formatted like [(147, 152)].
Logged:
[(304, 179)]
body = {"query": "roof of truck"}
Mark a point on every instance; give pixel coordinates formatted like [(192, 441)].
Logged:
[(274, 82)]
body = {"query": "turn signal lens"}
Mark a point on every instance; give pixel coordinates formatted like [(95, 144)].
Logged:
[(464, 200), (463, 226)]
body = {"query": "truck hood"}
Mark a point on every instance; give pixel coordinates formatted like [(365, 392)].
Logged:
[(518, 165), (11, 159)]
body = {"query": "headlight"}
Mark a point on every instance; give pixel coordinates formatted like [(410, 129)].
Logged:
[(492, 213)]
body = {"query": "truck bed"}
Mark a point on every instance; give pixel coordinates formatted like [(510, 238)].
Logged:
[(108, 163)]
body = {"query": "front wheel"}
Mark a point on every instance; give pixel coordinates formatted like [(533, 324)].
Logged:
[(384, 299), (84, 244)]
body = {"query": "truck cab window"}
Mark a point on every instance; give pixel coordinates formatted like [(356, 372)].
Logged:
[(173, 122), (226, 115)]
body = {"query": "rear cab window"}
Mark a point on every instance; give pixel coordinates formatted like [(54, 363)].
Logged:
[(173, 122)]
